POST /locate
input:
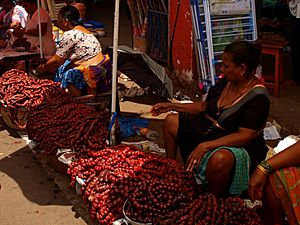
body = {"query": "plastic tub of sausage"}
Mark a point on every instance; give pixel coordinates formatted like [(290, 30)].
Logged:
[(14, 118), (78, 185), (126, 220)]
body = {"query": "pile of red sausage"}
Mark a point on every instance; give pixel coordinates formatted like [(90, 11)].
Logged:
[(207, 209), (67, 124), (17, 89), (157, 190)]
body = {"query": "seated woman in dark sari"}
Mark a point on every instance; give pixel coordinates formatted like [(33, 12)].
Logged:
[(219, 138), (79, 63)]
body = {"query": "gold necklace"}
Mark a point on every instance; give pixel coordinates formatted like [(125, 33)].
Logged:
[(242, 92)]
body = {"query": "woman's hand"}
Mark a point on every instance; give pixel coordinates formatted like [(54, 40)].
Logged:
[(40, 69), (256, 185), (195, 157), (160, 108), (18, 32)]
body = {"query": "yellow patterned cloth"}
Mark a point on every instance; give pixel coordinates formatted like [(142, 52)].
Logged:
[(98, 76)]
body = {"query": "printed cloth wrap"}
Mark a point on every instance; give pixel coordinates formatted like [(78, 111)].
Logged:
[(285, 184), (96, 77)]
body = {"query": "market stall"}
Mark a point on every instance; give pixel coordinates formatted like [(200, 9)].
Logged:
[(13, 56), (119, 183)]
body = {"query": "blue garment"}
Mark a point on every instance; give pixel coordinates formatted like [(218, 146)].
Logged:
[(128, 125), (67, 75)]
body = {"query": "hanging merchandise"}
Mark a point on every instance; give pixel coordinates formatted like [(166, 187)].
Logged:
[(205, 80), (229, 7), (215, 26), (138, 10), (157, 30), (220, 39)]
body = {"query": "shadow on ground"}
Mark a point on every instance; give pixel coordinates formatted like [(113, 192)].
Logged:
[(11, 131), (28, 173)]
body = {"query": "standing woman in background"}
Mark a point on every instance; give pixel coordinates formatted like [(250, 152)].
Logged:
[(31, 31), (12, 16)]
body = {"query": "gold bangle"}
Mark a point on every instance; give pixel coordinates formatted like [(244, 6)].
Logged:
[(266, 166), (263, 170)]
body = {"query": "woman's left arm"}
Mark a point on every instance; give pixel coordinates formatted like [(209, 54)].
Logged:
[(51, 65), (240, 138), (287, 158)]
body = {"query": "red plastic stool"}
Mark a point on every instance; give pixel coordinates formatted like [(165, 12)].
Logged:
[(274, 48)]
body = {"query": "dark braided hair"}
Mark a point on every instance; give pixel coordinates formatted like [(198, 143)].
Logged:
[(244, 52), (71, 14)]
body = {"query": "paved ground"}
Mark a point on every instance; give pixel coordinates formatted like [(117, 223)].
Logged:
[(286, 108), (28, 195)]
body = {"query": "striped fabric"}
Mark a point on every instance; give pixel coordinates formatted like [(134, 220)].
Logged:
[(286, 187), (241, 171)]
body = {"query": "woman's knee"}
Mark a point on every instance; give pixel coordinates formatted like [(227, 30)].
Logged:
[(171, 123), (221, 161)]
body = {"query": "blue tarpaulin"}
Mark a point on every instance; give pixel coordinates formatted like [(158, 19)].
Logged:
[(91, 24), (128, 125)]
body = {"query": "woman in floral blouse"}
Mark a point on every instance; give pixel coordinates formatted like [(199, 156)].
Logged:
[(79, 62)]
